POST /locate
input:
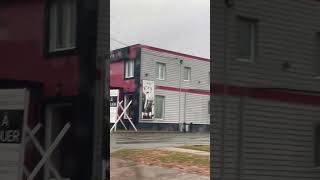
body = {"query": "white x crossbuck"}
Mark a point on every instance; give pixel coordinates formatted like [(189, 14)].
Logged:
[(30, 136), (119, 118)]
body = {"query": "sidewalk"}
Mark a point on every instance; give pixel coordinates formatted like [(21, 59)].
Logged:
[(196, 152), (124, 170)]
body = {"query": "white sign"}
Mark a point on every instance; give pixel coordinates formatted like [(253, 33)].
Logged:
[(114, 99), (13, 116), (147, 99)]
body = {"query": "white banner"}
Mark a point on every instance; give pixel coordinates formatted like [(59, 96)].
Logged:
[(114, 99), (13, 116), (147, 99)]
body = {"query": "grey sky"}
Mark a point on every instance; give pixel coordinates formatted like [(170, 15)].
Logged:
[(177, 25)]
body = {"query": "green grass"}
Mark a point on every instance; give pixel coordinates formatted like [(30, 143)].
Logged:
[(185, 158), (197, 147)]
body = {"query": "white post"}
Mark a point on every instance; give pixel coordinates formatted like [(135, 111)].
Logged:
[(115, 124), (42, 152), (129, 119), (48, 153), (180, 125)]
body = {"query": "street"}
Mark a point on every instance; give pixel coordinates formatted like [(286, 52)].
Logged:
[(137, 140), (124, 170)]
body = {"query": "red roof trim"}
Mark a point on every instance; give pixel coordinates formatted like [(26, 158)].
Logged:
[(288, 96), (193, 91), (170, 52)]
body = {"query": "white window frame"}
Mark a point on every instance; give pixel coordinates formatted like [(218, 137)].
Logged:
[(253, 31), (125, 103), (161, 67), (69, 10), (189, 74), (129, 69), (163, 107)]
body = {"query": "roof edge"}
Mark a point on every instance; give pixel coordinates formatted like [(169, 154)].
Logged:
[(169, 52)]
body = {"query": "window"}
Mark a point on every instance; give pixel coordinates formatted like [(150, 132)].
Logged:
[(161, 71), (187, 74), (159, 107), (127, 98), (209, 107), (247, 39), (129, 69), (62, 25)]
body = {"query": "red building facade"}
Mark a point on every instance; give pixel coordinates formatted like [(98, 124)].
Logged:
[(45, 47)]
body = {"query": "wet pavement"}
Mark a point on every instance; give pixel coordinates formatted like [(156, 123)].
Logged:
[(143, 140), (124, 170)]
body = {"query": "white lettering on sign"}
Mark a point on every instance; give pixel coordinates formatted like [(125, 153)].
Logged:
[(5, 121), (10, 136), (13, 115)]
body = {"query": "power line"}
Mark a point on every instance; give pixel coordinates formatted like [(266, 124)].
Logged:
[(125, 44), (119, 41)]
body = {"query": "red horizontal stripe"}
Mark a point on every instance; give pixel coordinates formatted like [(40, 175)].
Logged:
[(288, 96), (194, 91), (171, 52)]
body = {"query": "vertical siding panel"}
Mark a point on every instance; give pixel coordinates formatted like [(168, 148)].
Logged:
[(274, 140), (197, 104)]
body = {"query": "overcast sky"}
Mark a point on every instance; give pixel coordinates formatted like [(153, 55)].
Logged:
[(177, 25)]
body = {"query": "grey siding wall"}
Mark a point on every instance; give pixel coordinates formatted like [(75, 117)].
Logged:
[(255, 139), (263, 139), (286, 33), (199, 70), (195, 108)]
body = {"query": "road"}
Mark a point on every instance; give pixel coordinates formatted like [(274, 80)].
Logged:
[(123, 170), (140, 140)]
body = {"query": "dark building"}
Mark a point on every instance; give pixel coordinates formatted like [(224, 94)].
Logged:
[(266, 98), (51, 47)]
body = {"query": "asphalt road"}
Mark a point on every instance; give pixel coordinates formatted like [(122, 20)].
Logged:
[(124, 170), (143, 140)]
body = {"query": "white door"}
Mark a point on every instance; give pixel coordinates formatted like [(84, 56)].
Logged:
[(56, 118)]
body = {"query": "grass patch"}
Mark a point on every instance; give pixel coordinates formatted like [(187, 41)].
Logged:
[(205, 148), (184, 161)]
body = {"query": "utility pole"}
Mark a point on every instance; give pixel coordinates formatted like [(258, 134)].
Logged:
[(97, 166), (180, 124)]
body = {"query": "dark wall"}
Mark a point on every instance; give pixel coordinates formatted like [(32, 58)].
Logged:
[(22, 44)]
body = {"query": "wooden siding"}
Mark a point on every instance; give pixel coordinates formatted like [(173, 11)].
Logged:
[(196, 104), (259, 139)]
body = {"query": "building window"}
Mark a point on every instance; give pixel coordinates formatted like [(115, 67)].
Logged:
[(209, 107), (129, 69), (161, 71), (247, 39), (187, 74), (127, 98), (62, 25), (159, 107)]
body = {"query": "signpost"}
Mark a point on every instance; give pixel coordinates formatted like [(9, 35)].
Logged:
[(13, 117), (114, 100)]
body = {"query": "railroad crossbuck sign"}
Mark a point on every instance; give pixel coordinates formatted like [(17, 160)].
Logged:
[(13, 113)]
